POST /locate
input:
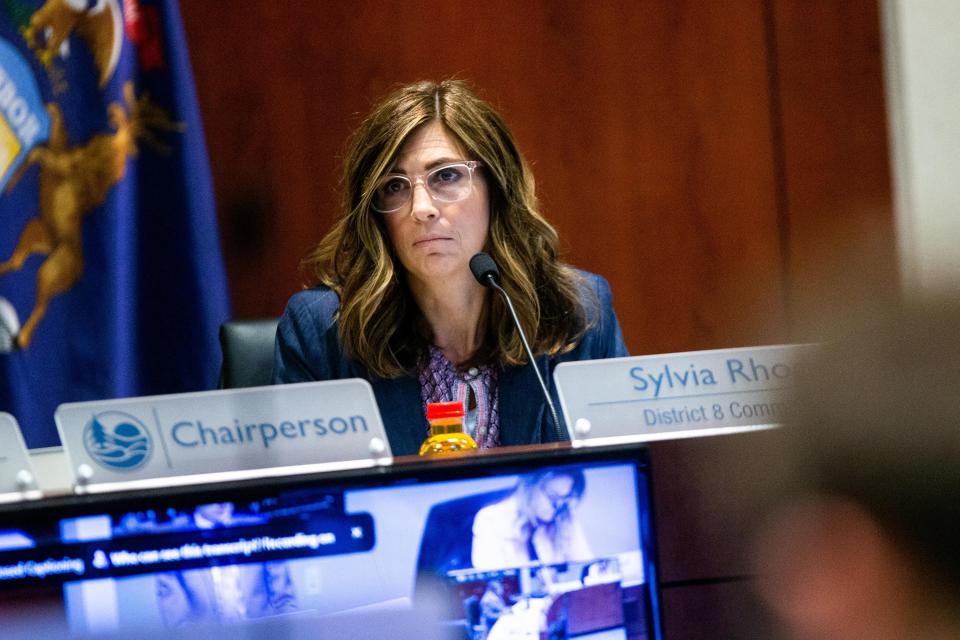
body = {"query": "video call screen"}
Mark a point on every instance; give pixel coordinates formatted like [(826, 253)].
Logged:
[(522, 551)]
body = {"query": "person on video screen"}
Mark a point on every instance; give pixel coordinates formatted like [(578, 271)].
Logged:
[(532, 523), (535, 523), (224, 593)]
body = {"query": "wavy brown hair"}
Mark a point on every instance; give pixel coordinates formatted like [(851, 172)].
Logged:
[(380, 324)]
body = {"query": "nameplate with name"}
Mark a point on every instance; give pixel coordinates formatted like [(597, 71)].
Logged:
[(677, 395), (218, 432), (17, 481)]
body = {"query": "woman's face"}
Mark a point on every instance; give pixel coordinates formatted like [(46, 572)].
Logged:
[(551, 495), (434, 239)]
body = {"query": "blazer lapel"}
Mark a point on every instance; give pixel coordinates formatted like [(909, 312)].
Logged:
[(521, 404), (402, 413)]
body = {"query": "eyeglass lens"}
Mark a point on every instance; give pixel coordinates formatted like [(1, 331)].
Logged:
[(448, 183)]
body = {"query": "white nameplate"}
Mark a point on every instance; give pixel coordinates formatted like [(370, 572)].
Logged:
[(217, 432), (17, 481), (676, 395)]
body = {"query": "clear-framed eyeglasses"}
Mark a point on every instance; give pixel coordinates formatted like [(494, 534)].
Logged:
[(450, 182), (559, 501)]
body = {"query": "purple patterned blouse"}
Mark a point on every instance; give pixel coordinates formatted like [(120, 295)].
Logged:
[(441, 382)]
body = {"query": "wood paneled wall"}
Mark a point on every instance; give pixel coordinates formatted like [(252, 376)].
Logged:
[(836, 206), (700, 155)]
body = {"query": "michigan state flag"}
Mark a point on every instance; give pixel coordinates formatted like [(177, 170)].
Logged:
[(111, 278)]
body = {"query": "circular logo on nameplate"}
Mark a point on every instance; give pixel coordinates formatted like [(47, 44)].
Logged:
[(117, 441)]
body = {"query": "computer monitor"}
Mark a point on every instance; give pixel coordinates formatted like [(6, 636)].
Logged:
[(552, 543)]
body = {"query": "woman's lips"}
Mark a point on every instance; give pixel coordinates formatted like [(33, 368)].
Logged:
[(423, 242)]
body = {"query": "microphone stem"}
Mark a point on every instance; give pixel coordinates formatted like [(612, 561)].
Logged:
[(533, 361)]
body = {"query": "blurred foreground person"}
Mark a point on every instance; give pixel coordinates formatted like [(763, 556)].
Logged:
[(863, 542)]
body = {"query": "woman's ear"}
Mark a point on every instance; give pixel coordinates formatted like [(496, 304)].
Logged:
[(828, 570)]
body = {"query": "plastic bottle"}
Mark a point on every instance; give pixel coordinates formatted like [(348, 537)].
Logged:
[(446, 430)]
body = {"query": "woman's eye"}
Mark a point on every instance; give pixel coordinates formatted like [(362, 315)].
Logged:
[(447, 175), (393, 186)]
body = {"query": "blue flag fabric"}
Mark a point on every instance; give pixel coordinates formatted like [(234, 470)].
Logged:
[(111, 278)]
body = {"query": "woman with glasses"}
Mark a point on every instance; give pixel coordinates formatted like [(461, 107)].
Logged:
[(535, 523), (531, 524), (432, 177)]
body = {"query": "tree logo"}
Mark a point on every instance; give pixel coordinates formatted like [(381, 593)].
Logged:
[(117, 441)]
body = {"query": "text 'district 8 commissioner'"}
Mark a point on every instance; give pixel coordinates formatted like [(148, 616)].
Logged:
[(677, 395)]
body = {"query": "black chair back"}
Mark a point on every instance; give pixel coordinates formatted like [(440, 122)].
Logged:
[(247, 347)]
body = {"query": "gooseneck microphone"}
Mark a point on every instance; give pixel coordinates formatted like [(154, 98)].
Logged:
[(485, 270)]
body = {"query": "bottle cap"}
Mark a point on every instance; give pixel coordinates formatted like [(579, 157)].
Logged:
[(440, 410)]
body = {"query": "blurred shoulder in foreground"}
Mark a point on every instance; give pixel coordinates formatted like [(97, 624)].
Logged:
[(861, 538)]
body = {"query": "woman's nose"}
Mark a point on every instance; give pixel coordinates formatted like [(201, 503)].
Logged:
[(422, 206)]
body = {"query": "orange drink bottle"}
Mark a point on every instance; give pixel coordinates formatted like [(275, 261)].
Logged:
[(446, 430)]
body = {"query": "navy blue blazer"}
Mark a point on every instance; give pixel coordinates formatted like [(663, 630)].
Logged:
[(308, 348)]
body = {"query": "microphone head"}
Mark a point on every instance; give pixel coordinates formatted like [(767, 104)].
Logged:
[(484, 268)]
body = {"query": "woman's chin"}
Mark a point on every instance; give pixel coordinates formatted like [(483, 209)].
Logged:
[(437, 266)]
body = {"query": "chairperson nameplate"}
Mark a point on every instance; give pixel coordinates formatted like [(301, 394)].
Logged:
[(677, 395), (219, 432)]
